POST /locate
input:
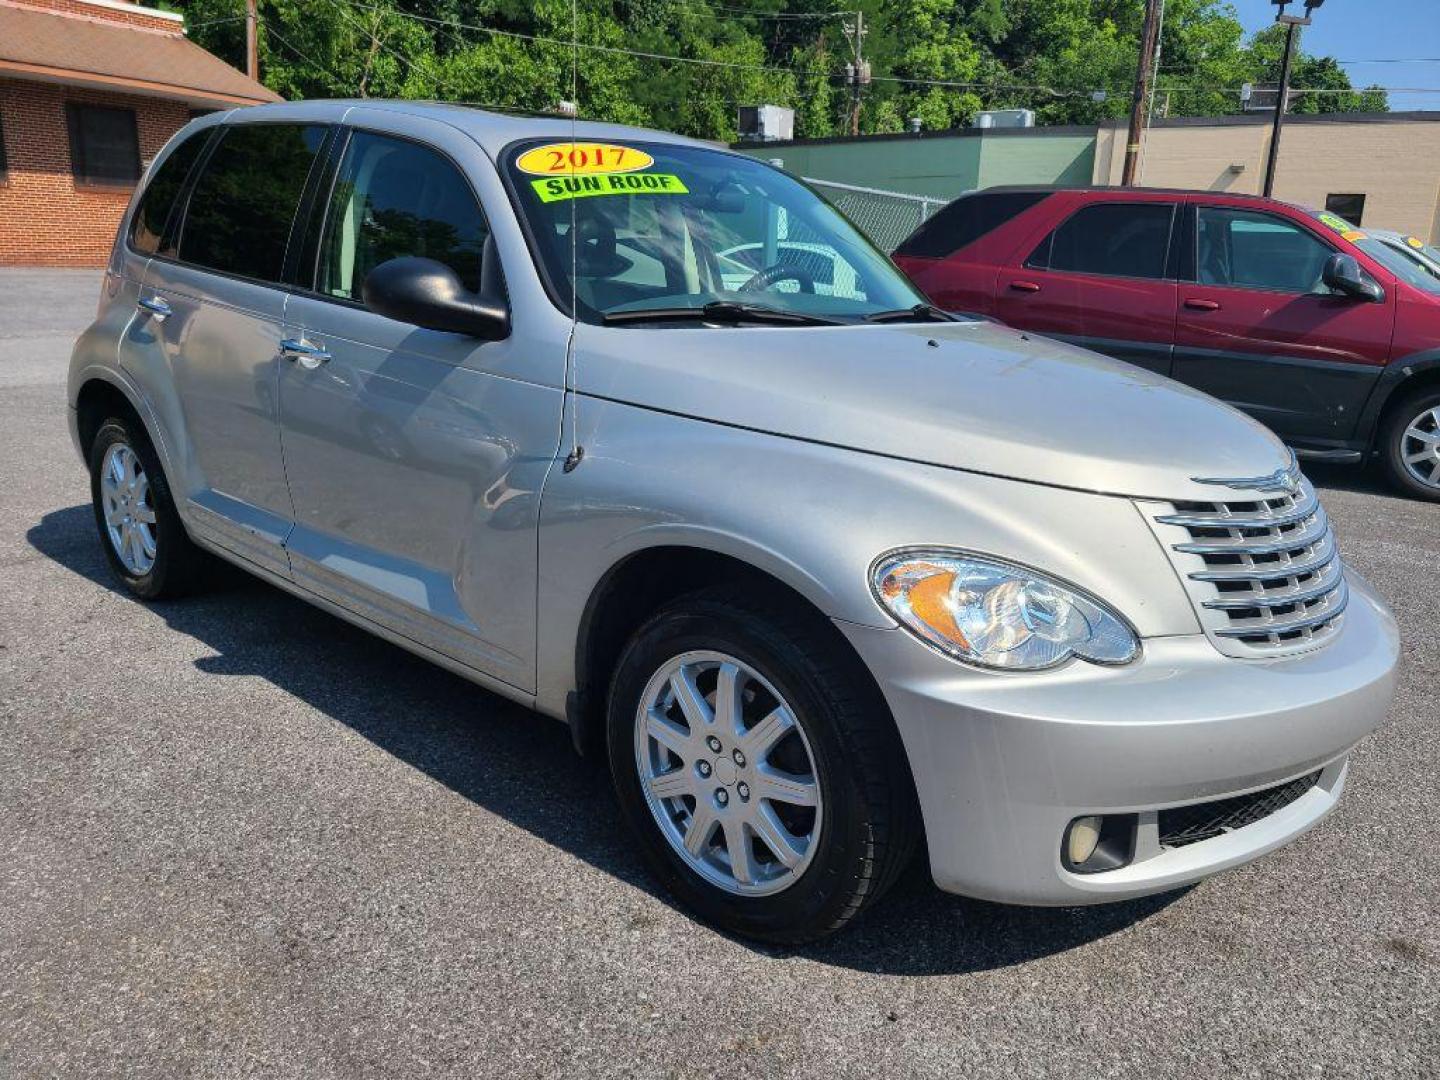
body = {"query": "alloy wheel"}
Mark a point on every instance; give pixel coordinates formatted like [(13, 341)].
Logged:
[(1420, 447), (129, 515), (728, 773)]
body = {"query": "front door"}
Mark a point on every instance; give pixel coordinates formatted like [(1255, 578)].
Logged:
[(1100, 280), (1259, 329), (217, 309), (415, 457)]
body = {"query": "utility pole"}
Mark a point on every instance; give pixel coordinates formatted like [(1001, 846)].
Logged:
[(1149, 40), (1292, 24), (252, 58), (857, 72)]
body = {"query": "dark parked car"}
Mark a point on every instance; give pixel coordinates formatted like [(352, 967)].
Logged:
[(1297, 317)]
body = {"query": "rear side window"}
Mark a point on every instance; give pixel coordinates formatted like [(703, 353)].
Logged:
[(1258, 251), (240, 209), (148, 228), (966, 220), (392, 198), (1113, 239)]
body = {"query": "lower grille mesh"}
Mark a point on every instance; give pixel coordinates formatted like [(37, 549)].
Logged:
[(1183, 825)]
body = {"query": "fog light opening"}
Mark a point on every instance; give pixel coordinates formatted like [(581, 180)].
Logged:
[(1098, 842)]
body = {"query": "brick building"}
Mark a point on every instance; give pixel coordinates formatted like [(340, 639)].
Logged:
[(90, 90)]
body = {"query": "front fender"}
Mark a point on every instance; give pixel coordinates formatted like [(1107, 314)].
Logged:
[(814, 517)]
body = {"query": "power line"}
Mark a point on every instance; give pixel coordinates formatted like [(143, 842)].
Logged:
[(989, 88), (775, 15), (323, 69)]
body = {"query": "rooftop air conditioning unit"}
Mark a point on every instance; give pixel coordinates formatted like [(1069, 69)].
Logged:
[(766, 123), (1005, 118)]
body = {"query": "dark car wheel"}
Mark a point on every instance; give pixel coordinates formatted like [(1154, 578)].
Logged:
[(1410, 444), (142, 535), (760, 771)]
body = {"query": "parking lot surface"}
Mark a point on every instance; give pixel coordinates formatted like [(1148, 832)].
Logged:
[(241, 838)]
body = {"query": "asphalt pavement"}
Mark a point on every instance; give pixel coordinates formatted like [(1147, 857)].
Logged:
[(241, 838)]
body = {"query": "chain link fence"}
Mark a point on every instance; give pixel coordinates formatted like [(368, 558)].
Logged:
[(887, 217)]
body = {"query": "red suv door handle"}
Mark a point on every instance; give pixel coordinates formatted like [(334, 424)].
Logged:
[(1024, 286), (1202, 305)]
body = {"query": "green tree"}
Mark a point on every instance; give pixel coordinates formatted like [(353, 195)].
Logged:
[(1072, 61)]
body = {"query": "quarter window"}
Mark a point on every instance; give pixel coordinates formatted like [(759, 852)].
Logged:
[(148, 228), (104, 146), (240, 210), (1258, 251), (966, 220), (1114, 239), (392, 198)]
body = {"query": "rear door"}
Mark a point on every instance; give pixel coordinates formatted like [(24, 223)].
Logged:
[(1258, 328), (1103, 279), (216, 309)]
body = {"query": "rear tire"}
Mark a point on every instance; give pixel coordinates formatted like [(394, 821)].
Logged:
[(854, 824), (140, 530)]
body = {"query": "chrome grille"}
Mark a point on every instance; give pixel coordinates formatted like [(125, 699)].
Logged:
[(1260, 562)]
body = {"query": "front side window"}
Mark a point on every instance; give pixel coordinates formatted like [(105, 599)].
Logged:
[(1111, 239), (240, 210), (104, 145), (392, 198), (148, 228), (1252, 250), (642, 226)]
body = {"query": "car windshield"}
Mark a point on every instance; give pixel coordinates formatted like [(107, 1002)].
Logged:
[(1411, 264), (659, 227)]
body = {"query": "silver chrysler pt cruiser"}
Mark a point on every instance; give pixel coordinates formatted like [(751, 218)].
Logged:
[(645, 435)]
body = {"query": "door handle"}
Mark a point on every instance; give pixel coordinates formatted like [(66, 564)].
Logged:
[(1024, 286), (1202, 305), (307, 355), (155, 307)]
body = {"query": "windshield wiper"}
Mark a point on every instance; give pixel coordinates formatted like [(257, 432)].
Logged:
[(721, 311), (920, 312)]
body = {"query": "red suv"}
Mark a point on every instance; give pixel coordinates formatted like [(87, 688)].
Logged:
[(1327, 335)]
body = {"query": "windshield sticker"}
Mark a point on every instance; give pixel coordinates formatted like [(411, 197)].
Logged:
[(1335, 222), (1352, 235), (572, 158), (556, 188)]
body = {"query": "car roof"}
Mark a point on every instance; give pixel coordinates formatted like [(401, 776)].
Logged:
[(492, 130), (1112, 189)]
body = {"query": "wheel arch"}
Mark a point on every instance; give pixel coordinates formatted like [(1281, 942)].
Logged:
[(1401, 377), (97, 400), (639, 583)]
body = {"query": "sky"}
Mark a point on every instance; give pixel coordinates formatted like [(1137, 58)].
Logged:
[(1370, 30)]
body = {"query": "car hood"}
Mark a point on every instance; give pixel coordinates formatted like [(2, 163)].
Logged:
[(970, 395)]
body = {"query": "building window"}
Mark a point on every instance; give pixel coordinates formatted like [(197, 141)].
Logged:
[(104, 145), (1350, 207)]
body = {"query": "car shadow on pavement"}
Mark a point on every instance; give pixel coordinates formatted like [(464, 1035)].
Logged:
[(518, 765)]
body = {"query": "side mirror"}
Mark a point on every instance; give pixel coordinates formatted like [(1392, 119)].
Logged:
[(1343, 274), (428, 293)]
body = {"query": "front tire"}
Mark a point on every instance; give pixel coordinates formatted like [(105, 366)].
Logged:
[(1410, 444), (759, 769), (140, 530)]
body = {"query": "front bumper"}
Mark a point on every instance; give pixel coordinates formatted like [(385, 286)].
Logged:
[(1003, 762)]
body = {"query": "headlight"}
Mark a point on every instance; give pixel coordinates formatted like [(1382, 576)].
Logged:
[(998, 615)]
